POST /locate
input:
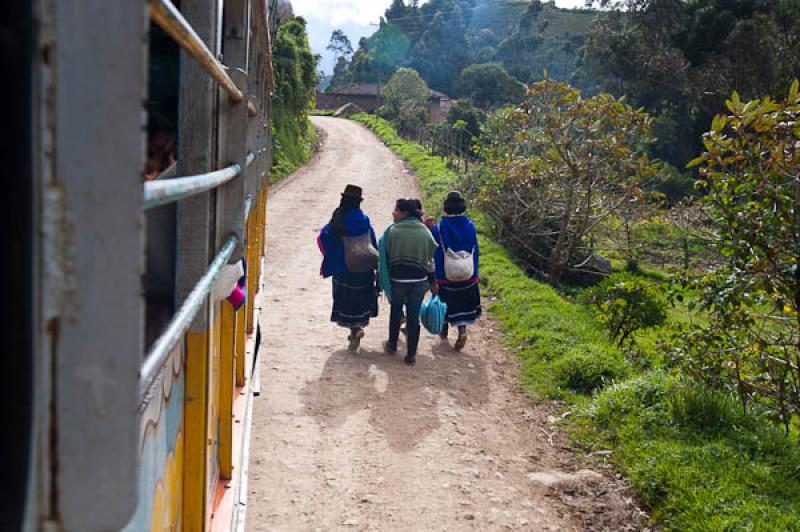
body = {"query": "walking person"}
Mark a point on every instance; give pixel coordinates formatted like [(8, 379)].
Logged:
[(409, 248), (350, 256), (456, 261)]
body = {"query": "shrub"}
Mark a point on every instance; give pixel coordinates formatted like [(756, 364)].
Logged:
[(587, 370), (749, 175), (647, 391), (626, 304), (701, 407), (558, 165)]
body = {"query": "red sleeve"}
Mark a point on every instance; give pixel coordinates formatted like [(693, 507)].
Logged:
[(319, 243)]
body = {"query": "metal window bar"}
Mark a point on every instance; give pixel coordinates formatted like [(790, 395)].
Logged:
[(163, 191), (167, 16), (180, 322)]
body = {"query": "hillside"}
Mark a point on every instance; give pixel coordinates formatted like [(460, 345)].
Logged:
[(442, 37)]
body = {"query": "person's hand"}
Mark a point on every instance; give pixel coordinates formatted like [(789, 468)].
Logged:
[(435, 288)]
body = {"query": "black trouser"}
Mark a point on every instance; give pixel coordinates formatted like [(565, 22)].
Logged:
[(410, 295)]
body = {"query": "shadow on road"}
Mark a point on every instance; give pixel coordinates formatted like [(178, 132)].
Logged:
[(405, 403)]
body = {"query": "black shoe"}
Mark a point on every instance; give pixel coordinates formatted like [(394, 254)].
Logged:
[(388, 349), (410, 360)]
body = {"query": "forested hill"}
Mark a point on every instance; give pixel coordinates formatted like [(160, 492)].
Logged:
[(442, 37), (528, 38), (680, 60)]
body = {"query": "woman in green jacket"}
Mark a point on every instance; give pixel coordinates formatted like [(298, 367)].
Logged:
[(409, 248)]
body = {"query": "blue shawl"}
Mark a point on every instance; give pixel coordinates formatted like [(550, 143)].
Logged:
[(354, 223), (458, 233)]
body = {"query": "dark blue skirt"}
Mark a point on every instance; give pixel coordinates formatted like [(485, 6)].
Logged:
[(463, 301), (354, 299)]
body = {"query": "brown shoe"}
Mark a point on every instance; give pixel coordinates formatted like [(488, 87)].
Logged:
[(462, 340), (355, 340)]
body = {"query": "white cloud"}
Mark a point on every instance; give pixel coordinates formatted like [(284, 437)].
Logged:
[(340, 12)]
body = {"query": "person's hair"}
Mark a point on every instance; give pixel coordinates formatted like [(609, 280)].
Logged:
[(411, 207), (418, 206), (337, 218)]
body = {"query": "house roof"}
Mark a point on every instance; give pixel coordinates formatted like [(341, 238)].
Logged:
[(371, 89)]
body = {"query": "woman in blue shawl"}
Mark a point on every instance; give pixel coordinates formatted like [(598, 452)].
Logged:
[(456, 232), (355, 295)]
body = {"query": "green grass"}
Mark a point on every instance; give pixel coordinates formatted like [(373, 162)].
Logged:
[(293, 141), (321, 112), (690, 454)]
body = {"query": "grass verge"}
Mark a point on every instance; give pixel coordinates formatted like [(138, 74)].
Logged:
[(690, 454)]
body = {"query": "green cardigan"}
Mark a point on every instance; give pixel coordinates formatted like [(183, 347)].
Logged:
[(410, 242)]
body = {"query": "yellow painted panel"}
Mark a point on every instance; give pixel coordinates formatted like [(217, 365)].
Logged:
[(195, 420), (252, 268), (241, 336), (226, 352), (266, 200), (212, 434)]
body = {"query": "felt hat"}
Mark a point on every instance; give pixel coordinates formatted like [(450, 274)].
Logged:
[(352, 191), (454, 203)]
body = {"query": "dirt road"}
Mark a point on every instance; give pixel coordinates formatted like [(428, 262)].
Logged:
[(344, 441)]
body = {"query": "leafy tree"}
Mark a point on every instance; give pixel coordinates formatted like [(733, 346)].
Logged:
[(361, 67), (681, 60), (405, 17), (557, 166), (295, 85), (750, 173), (295, 66), (406, 101), (340, 45), (387, 49), (441, 50), (472, 118), (489, 86), (342, 76)]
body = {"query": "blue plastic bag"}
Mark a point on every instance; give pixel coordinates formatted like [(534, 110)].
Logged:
[(433, 314)]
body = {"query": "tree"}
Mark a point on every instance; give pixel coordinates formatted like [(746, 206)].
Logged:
[(341, 75), (681, 60), (460, 131), (750, 173), (472, 118), (558, 165), (340, 45), (441, 50), (488, 86), (406, 101), (295, 66), (387, 49)]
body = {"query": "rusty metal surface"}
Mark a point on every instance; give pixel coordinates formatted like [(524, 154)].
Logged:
[(92, 305)]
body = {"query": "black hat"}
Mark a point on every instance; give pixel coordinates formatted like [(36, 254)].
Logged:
[(352, 191), (454, 203)]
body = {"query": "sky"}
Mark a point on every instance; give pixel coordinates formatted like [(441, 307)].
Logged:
[(357, 18)]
